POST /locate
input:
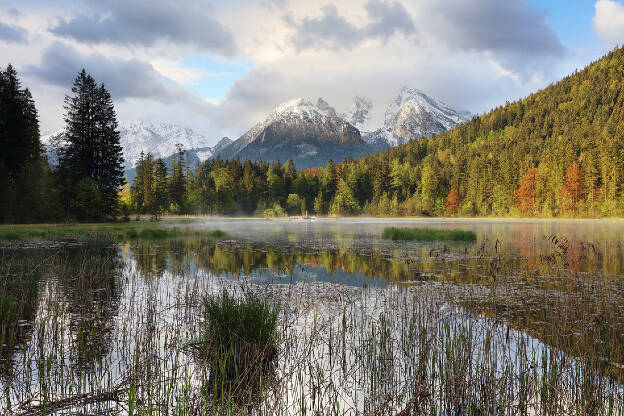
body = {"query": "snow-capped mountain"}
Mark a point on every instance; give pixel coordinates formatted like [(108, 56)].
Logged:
[(308, 133), (141, 136), (414, 114), (160, 140), (358, 113)]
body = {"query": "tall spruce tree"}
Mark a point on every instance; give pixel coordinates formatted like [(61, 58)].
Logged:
[(21, 167), (19, 124), (92, 150)]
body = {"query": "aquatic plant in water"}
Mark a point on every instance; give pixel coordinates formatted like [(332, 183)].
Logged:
[(239, 344), (427, 234)]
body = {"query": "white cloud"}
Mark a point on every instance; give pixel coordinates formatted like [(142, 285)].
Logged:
[(178, 72), (609, 21), (472, 54)]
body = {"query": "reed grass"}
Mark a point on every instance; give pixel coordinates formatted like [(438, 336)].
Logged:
[(239, 343), (427, 234), (131, 231)]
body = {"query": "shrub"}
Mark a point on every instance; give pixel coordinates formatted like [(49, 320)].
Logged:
[(276, 211)]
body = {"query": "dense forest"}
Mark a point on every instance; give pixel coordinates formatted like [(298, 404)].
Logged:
[(558, 152), (85, 183)]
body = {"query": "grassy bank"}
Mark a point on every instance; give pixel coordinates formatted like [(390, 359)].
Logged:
[(135, 230), (427, 234)]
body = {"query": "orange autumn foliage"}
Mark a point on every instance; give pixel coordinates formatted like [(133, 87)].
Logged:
[(524, 196), (574, 189), (452, 202)]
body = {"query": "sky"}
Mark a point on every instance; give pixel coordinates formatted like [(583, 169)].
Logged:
[(219, 67)]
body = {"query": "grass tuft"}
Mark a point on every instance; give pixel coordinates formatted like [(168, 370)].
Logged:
[(218, 234), (427, 234), (239, 343)]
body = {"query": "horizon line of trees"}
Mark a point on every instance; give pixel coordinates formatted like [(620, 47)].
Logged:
[(232, 187)]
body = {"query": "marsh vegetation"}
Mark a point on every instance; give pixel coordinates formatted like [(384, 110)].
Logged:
[(317, 318), (427, 234)]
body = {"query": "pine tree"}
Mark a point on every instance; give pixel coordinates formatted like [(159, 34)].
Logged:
[(92, 148), (318, 204), (177, 187), (159, 201), (136, 190), (22, 169), (19, 124)]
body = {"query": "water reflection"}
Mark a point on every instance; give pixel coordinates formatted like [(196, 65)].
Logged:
[(89, 284), (20, 275), (268, 265), (71, 290)]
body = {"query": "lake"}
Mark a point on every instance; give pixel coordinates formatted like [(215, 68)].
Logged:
[(528, 319)]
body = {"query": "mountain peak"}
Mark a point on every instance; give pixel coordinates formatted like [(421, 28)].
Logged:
[(358, 113), (298, 130), (325, 108), (293, 105), (159, 139), (414, 114)]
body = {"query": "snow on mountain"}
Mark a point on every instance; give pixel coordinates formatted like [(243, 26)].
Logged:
[(325, 108), (358, 113), (221, 144), (298, 129), (297, 119), (141, 136), (414, 114)]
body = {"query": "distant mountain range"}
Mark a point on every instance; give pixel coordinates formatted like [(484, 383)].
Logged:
[(308, 133), (311, 134), (160, 140), (413, 114)]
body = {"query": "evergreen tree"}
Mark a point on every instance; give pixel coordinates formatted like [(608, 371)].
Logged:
[(91, 148), (159, 200), (177, 186), (25, 188), (19, 124)]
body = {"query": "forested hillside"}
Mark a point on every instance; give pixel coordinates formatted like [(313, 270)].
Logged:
[(558, 152)]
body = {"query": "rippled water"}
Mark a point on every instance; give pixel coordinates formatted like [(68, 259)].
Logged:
[(103, 327)]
